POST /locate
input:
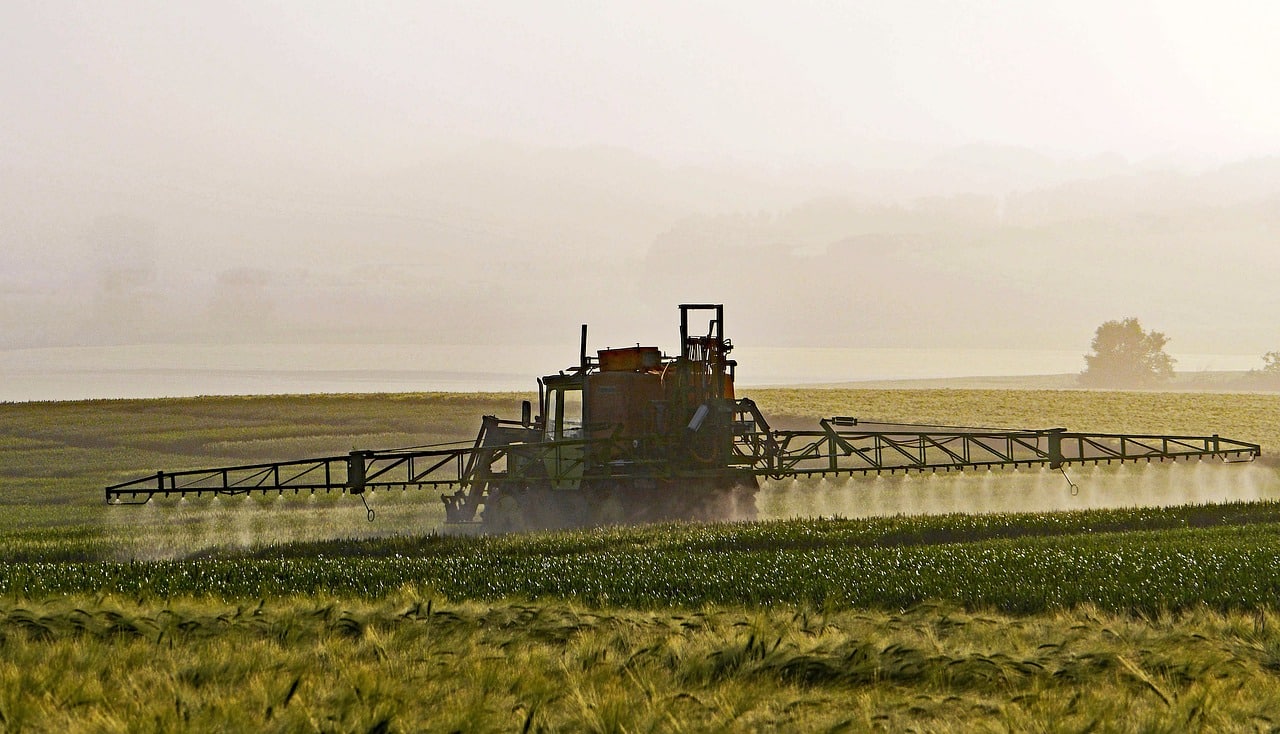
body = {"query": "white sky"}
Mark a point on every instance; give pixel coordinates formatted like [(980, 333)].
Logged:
[(771, 82)]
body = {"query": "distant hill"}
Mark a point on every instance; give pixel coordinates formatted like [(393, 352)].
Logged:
[(982, 246)]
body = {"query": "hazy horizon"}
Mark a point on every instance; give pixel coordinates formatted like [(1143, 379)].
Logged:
[(917, 175)]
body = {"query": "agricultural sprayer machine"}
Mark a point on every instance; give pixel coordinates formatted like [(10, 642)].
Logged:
[(634, 435)]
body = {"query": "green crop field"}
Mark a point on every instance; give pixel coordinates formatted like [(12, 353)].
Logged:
[(296, 614)]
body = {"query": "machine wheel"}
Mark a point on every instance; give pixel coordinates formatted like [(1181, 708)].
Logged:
[(608, 508), (734, 503), (710, 502), (504, 514)]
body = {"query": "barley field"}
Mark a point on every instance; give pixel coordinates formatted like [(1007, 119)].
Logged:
[(409, 663), (1147, 602)]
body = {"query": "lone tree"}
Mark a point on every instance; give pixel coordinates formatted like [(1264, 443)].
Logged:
[(1271, 364), (1124, 355), (1267, 378)]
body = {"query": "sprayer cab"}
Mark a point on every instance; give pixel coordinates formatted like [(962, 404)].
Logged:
[(638, 391)]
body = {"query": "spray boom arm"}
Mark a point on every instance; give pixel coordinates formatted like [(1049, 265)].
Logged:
[(843, 446)]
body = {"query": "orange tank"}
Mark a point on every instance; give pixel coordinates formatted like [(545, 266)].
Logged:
[(630, 359)]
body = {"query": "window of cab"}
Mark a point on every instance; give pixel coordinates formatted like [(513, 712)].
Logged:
[(564, 413)]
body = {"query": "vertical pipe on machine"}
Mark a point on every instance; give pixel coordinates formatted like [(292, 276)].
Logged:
[(684, 331), (1055, 448), (356, 472)]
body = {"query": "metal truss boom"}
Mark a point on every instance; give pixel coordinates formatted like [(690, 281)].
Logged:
[(841, 447)]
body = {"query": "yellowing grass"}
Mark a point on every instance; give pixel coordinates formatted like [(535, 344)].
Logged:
[(412, 663)]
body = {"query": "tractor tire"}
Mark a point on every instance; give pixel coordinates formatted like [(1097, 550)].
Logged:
[(608, 509), (504, 514)]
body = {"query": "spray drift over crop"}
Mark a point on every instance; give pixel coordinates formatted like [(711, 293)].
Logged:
[(174, 529), (1020, 490)]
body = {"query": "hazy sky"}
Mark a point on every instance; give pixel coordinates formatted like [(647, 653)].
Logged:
[(370, 84), (362, 149)]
